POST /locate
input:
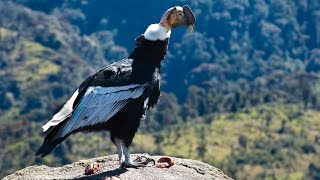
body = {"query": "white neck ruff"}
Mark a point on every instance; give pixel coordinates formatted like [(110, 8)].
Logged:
[(157, 32)]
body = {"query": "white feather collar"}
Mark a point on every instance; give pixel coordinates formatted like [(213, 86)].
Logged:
[(157, 32)]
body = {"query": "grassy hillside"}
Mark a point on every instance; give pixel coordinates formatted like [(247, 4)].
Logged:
[(269, 141), (242, 92), (264, 142)]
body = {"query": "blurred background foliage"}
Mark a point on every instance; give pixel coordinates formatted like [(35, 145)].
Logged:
[(241, 93)]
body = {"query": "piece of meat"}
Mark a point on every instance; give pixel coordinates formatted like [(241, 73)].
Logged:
[(164, 162), (92, 168)]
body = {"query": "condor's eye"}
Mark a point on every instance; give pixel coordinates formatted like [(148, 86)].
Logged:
[(180, 14)]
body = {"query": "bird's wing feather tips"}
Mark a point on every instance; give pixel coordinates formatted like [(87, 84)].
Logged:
[(63, 114), (98, 105), (157, 32)]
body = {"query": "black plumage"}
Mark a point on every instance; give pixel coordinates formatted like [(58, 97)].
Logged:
[(142, 68), (116, 97)]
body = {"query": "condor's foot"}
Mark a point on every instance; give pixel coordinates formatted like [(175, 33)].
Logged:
[(140, 161), (131, 165)]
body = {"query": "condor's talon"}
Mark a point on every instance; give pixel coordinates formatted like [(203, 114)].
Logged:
[(132, 165), (151, 160), (146, 161), (138, 162)]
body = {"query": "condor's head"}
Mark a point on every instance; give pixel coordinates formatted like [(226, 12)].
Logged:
[(173, 17), (153, 44), (178, 16)]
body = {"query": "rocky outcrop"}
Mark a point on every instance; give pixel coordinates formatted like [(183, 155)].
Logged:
[(109, 167)]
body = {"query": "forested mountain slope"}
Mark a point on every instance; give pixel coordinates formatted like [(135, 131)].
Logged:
[(244, 54)]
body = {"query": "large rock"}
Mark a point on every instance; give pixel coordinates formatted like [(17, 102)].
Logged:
[(182, 169)]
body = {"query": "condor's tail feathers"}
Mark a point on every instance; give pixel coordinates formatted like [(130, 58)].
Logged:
[(48, 145), (46, 148), (51, 141)]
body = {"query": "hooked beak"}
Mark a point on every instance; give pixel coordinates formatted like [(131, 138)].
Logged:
[(189, 17), (178, 16)]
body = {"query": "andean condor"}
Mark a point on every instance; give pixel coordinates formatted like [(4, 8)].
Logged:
[(116, 97)]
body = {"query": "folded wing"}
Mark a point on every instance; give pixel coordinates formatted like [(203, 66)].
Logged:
[(98, 105), (64, 113)]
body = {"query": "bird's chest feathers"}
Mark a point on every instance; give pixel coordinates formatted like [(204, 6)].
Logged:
[(141, 73)]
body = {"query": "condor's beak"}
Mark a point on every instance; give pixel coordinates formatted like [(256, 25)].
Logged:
[(189, 17), (178, 16)]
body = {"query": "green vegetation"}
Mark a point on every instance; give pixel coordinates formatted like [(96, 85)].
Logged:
[(6, 33), (280, 143), (248, 146), (34, 69), (242, 92)]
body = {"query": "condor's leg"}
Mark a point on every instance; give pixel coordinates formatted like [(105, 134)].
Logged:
[(130, 122), (118, 143), (127, 161)]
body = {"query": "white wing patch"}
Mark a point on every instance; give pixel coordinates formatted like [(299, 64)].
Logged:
[(99, 104), (63, 114)]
